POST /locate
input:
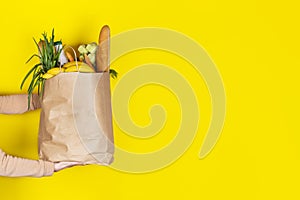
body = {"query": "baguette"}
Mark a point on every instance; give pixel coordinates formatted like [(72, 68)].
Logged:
[(41, 45), (103, 51)]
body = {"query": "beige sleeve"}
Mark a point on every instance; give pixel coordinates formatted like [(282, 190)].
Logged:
[(18, 103), (19, 167)]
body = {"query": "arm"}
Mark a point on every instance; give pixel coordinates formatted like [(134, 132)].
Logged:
[(16, 167), (18, 104)]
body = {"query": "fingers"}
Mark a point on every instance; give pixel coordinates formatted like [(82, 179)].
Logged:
[(63, 165)]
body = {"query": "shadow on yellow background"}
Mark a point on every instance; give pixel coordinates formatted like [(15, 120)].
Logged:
[(255, 46)]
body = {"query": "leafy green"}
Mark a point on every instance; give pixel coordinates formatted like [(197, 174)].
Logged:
[(48, 58), (113, 73)]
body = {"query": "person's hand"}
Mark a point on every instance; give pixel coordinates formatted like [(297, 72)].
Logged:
[(63, 165)]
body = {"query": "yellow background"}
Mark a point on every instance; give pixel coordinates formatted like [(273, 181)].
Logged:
[(255, 45)]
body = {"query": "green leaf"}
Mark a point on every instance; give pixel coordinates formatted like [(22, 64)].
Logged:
[(37, 45), (48, 57), (42, 87), (113, 73), (30, 71), (35, 82), (34, 55)]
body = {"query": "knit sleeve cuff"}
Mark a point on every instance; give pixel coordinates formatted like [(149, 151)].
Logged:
[(48, 168)]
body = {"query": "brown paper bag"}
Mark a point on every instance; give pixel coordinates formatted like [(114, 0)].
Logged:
[(76, 119)]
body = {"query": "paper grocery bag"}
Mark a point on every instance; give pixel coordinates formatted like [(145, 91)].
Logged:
[(76, 119)]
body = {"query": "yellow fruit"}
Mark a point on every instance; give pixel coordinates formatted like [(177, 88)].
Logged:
[(81, 68), (70, 64), (47, 76), (55, 70)]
